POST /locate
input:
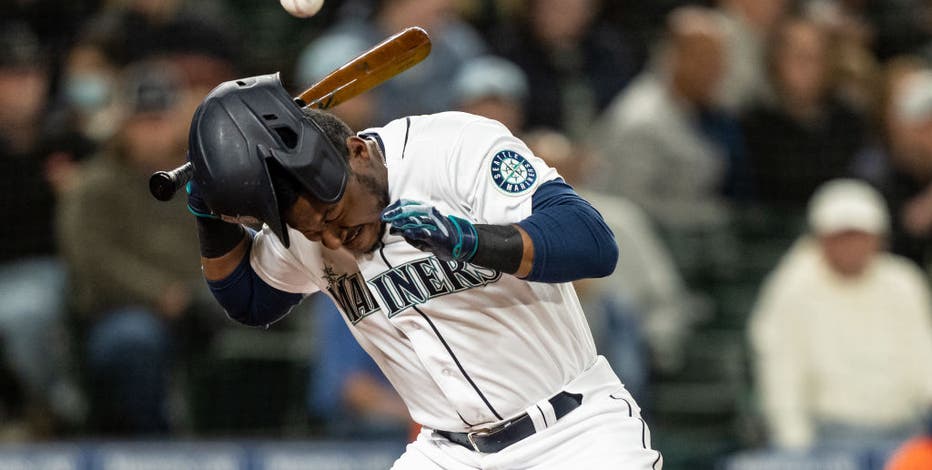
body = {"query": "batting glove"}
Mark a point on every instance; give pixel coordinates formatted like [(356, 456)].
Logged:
[(423, 226), (196, 203)]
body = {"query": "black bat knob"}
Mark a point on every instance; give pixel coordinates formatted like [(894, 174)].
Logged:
[(164, 184)]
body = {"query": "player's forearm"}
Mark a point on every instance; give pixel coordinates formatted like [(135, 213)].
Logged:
[(505, 248), (240, 291), (221, 267), (222, 245), (248, 299)]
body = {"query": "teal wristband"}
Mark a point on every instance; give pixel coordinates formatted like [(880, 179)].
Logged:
[(462, 238), (196, 198), (202, 215)]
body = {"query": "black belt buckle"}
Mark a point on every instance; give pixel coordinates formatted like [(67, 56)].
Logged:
[(481, 434), (484, 440), (471, 437)]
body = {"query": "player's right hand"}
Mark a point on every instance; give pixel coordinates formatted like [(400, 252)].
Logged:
[(424, 227)]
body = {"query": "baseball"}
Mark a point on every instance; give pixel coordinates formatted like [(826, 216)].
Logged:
[(302, 8)]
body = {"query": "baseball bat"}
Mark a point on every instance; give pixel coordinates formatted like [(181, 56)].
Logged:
[(374, 66), (164, 184)]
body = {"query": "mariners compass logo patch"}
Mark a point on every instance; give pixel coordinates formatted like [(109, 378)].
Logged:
[(512, 173)]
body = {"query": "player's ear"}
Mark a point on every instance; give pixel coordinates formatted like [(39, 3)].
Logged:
[(357, 147)]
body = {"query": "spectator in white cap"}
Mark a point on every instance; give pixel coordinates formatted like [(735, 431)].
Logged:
[(842, 332), (850, 221)]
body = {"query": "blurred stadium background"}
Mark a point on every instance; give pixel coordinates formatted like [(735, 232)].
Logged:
[(700, 129)]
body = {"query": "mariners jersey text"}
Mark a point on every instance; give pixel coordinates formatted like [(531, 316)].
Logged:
[(406, 285)]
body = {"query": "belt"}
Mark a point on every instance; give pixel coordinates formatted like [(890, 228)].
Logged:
[(495, 439)]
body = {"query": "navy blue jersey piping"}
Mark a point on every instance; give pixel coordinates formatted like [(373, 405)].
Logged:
[(407, 128)]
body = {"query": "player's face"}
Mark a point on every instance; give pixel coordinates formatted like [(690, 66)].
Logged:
[(354, 221)]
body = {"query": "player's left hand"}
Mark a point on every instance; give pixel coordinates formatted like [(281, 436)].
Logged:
[(423, 226)]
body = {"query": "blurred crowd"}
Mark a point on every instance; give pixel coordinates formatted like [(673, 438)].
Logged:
[(766, 166)]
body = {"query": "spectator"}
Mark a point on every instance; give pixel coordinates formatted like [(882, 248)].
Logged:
[(899, 161), (855, 69), (748, 25), (423, 89), (89, 75), (575, 63), (652, 140), (194, 36), (841, 325), (495, 88), (348, 390), (134, 286), (63, 147), (914, 107), (32, 280), (805, 135)]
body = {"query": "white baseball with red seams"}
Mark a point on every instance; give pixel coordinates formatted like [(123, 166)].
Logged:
[(302, 8)]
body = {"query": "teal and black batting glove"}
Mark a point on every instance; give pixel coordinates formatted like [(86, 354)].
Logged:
[(424, 227), (196, 204)]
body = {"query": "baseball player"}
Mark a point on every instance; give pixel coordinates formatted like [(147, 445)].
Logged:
[(448, 247)]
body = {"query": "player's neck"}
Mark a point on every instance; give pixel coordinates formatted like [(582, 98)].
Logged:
[(374, 149)]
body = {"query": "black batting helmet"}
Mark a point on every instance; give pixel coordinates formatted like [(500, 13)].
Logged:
[(242, 128)]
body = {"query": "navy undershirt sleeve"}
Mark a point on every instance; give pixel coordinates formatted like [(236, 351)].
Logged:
[(571, 240), (250, 300)]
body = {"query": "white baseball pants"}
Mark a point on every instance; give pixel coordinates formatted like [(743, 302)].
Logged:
[(605, 432)]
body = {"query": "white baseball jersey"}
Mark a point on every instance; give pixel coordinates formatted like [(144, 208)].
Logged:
[(464, 346)]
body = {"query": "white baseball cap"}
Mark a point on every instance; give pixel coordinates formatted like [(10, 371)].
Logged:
[(848, 204)]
